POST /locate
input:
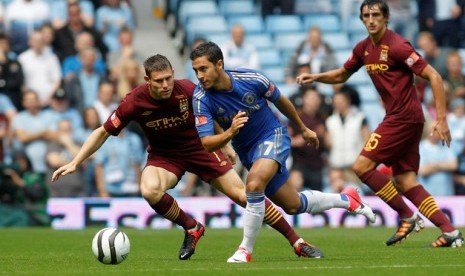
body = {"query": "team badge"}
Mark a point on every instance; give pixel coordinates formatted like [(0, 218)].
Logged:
[(183, 105), (384, 53), (249, 98)]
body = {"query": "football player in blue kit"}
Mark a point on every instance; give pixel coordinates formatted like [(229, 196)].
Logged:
[(232, 106)]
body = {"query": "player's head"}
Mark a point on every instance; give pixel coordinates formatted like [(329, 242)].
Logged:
[(159, 76), (207, 62), (374, 6)]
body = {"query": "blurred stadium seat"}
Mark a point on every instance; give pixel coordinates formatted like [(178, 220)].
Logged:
[(283, 23), (251, 23), (275, 74), (269, 57), (204, 26), (200, 8), (326, 22), (260, 40), (236, 7), (337, 41)]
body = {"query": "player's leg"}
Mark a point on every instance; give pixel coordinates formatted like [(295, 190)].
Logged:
[(155, 181), (388, 144), (422, 199), (232, 186)]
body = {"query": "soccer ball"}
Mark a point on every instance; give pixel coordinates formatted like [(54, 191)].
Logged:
[(110, 246)]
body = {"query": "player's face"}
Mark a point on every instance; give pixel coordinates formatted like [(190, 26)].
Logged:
[(161, 84), (207, 73), (373, 19)]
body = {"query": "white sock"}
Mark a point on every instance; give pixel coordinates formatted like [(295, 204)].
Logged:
[(253, 219), (317, 201)]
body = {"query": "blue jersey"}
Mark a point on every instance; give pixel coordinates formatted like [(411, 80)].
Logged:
[(250, 92)]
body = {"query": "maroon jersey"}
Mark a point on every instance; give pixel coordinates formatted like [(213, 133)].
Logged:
[(391, 64), (168, 125)]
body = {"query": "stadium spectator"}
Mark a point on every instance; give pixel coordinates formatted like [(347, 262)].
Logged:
[(402, 12), (260, 139), (60, 109), (73, 64), (237, 52), (22, 17), (277, 7), (456, 120), (395, 142), (42, 71), (459, 174), (7, 114), (23, 194), (454, 76), (11, 73), (433, 53), (314, 51), (64, 40), (126, 52), (131, 75), (174, 149), (308, 162), (48, 34), (59, 152), (110, 18), (118, 166), (447, 23), (106, 100), (437, 165), (347, 131), (59, 16), (82, 88), (32, 129)]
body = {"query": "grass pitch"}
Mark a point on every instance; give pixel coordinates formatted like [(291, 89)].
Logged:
[(348, 251)]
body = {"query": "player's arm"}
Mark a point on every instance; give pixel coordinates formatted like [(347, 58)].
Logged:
[(338, 75), (90, 146), (227, 150), (217, 141), (285, 106), (436, 83)]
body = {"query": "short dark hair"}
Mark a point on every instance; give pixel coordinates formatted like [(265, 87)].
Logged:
[(208, 49), (382, 4), (156, 63)]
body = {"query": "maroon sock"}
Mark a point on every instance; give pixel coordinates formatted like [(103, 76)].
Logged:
[(169, 209), (428, 207), (274, 219), (383, 187)]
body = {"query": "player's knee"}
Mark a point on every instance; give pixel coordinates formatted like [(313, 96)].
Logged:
[(151, 191), (291, 209), (254, 186)]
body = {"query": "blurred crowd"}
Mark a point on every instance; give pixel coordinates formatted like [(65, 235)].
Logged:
[(66, 64)]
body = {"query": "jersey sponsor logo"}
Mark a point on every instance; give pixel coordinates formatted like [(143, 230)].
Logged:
[(183, 105), (168, 122), (376, 68), (249, 98), (410, 61), (200, 120), (115, 120)]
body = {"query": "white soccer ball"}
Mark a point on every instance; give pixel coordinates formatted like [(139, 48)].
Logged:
[(111, 246)]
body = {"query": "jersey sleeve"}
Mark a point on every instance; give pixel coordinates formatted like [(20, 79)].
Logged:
[(354, 62), (203, 117), (120, 117), (405, 54), (267, 88)]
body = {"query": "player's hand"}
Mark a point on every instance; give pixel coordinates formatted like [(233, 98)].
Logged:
[(442, 129), (305, 78), (238, 122), (63, 170), (311, 138)]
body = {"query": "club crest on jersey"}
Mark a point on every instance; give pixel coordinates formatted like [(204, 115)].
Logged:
[(384, 53), (249, 98), (183, 105)]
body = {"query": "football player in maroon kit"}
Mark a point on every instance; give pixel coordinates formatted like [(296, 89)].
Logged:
[(162, 108), (392, 62)]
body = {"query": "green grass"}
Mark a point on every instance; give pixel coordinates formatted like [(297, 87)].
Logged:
[(349, 251)]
